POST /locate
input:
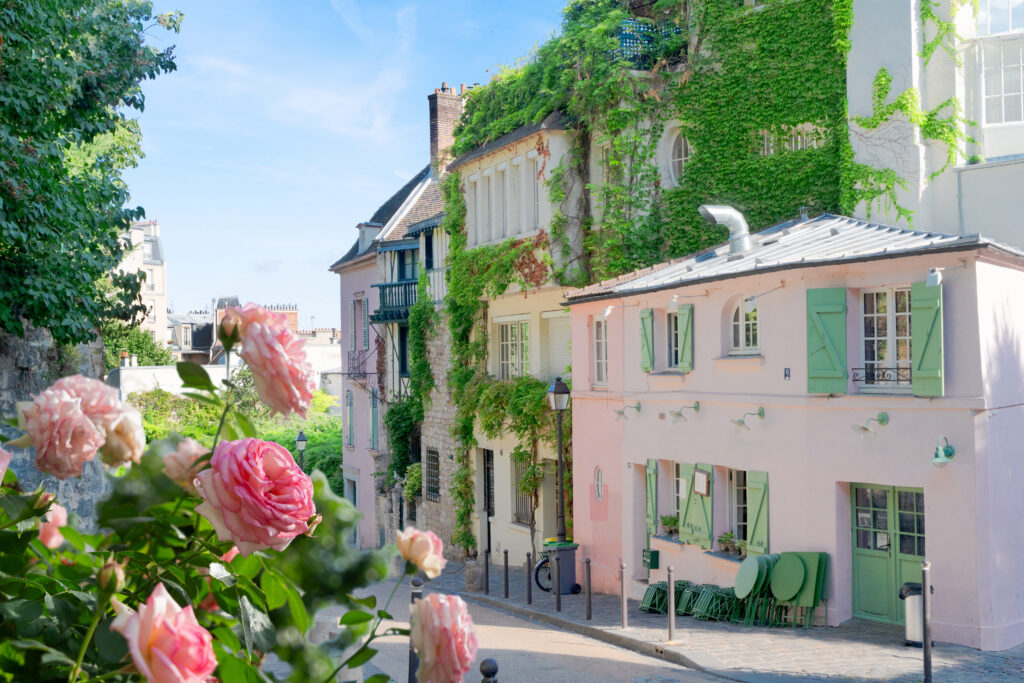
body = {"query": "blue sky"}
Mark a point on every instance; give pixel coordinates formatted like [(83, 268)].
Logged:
[(287, 123)]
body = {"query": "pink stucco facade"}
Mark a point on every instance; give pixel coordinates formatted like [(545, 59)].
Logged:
[(805, 443)]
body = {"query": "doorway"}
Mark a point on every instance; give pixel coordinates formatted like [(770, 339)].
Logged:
[(351, 487), (888, 546), (488, 491)]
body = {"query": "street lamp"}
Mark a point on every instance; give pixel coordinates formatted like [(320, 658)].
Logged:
[(558, 395), (300, 446)]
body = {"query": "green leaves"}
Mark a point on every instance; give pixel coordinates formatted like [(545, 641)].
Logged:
[(193, 376)]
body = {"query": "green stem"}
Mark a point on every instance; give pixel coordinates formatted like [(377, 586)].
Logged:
[(220, 425), (88, 638)]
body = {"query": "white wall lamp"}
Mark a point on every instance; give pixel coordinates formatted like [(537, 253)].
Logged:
[(865, 429), (750, 303), (620, 413), (742, 422), (677, 415), (673, 304), (935, 274), (943, 454)]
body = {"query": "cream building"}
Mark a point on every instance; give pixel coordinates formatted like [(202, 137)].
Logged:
[(147, 257)]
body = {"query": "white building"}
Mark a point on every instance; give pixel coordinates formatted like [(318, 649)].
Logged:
[(147, 257)]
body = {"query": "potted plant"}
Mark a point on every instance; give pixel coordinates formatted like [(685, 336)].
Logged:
[(727, 542), (741, 549), (670, 523)]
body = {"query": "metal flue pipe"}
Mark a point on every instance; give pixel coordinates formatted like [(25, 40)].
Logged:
[(739, 231)]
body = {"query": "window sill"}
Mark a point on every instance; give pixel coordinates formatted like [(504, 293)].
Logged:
[(886, 391)]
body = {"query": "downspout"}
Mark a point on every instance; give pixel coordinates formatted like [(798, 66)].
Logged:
[(739, 231)]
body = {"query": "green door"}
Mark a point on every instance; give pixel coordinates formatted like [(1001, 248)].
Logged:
[(652, 501), (888, 546)]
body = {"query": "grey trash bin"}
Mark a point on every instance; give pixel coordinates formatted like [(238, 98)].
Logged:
[(913, 607)]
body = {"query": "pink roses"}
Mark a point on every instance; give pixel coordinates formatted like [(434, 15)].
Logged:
[(442, 633), (283, 376), (180, 465), (255, 495), (166, 642), (423, 549), (50, 525)]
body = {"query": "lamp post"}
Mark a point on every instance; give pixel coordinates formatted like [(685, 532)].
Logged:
[(300, 446), (558, 395)]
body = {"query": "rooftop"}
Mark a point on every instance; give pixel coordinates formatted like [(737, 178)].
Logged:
[(553, 121)]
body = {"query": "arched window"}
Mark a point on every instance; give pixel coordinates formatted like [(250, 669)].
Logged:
[(745, 337), (598, 484), (680, 155)]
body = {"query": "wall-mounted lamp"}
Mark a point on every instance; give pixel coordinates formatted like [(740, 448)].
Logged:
[(620, 413), (943, 454), (677, 415), (750, 303), (865, 429), (673, 305), (607, 312), (935, 274), (742, 422)]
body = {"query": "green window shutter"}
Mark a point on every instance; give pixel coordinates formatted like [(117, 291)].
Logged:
[(926, 352), (685, 321), (373, 419), (695, 513), (366, 324), (757, 513), (826, 341), (652, 499), (647, 339)]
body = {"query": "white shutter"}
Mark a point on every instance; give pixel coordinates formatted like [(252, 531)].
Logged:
[(366, 323), (559, 346)]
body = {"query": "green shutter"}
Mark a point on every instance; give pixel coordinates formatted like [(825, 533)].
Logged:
[(366, 323), (757, 513), (685, 322), (652, 499), (373, 419), (647, 340), (926, 339), (695, 512), (826, 341)]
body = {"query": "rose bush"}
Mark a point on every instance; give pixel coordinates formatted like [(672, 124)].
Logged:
[(182, 464), (423, 549), (444, 638)]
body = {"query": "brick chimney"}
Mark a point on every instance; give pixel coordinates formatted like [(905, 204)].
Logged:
[(445, 109)]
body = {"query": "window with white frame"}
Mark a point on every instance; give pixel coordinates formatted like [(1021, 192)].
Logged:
[(471, 212), (673, 340), (513, 199), (805, 136), (186, 336), (738, 503), (886, 332), (999, 16), (600, 352), (513, 349), (680, 157), (678, 482), (744, 328), (1003, 69), (486, 220), (537, 184), (522, 501), (500, 226), (764, 143), (150, 280)]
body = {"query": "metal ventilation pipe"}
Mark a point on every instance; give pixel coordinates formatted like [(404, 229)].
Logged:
[(739, 232)]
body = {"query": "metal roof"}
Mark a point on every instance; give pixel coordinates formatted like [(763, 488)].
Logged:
[(826, 239)]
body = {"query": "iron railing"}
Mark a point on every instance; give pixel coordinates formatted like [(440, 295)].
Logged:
[(883, 376), (356, 365), (396, 298)]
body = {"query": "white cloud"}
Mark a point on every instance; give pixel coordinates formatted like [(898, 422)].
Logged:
[(352, 16)]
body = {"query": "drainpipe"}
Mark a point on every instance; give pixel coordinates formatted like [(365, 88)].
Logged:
[(739, 232)]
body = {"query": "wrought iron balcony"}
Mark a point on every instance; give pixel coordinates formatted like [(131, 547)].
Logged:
[(643, 43), (882, 376), (356, 365), (396, 298)]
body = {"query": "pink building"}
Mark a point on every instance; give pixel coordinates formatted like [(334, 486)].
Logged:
[(799, 387)]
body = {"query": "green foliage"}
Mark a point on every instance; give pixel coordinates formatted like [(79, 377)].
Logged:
[(413, 481), (118, 336), (164, 413), (70, 70), (402, 421)]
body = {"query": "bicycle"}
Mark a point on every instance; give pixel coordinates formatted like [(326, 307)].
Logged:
[(544, 576)]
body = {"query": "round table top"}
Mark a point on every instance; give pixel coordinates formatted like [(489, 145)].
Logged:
[(788, 577), (747, 576)]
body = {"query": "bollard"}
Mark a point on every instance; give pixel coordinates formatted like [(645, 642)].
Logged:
[(926, 616), (529, 578), (487, 572), (586, 580), (489, 668), (506, 573), (414, 660), (622, 581), (557, 587), (671, 607)]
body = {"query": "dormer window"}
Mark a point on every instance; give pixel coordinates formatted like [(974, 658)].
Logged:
[(745, 337)]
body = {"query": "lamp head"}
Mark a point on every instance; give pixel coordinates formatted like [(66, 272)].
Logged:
[(741, 423), (863, 430), (934, 277), (558, 394), (300, 442), (943, 454), (607, 312), (749, 304), (673, 305)]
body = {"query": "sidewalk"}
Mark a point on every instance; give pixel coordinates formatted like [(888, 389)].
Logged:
[(856, 651)]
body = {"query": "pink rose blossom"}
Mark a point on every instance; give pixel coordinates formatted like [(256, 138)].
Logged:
[(180, 467), (5, 460), (50, 526), (422, 548), (166, 642), (121, 425), (64, 437), (283, 377), (255, 495), (442, 633)]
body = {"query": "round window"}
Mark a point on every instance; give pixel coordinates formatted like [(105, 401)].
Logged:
[(598, 484)]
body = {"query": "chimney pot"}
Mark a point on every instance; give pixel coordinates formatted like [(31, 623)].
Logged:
[(462, 88)]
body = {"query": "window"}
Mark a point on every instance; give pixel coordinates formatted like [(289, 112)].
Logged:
[(432, 479), (407, 265), (472, 217), (513, 200), (349, 425), (999, 16), (680, 155), (428, 250), (805, 136), (537, 183), (600, 352), (500, 228), (738, 504), (186, 335), (678, 484), (599, 485), (150, 280), (886, 317), (673, 340), (1002, 59), (513, 349), (403, 350), (745, 338), (522, 502), (486, 220), (765, 144)]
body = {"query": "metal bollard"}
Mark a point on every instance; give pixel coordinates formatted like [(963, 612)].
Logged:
[(529, 578), (671, 607), (487, 572), (414, 660), (622, 581), (489, 668), (557, 587), (926, 615), (586, 579), (506, 573)]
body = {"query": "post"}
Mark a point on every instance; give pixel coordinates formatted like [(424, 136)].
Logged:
[(671, 607), (586, 580), (561, 481), (489, 668), (529, 578), (487, 572), (506, 573), (622, 582), (414, 660), (557, 587), (926, 615)]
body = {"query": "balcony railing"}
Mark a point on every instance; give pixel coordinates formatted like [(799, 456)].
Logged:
[(356, 366), (881, 376), (643, 43), (395, 300)]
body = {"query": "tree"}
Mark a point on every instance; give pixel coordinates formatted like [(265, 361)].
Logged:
[(68, 71), (118, 336)]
